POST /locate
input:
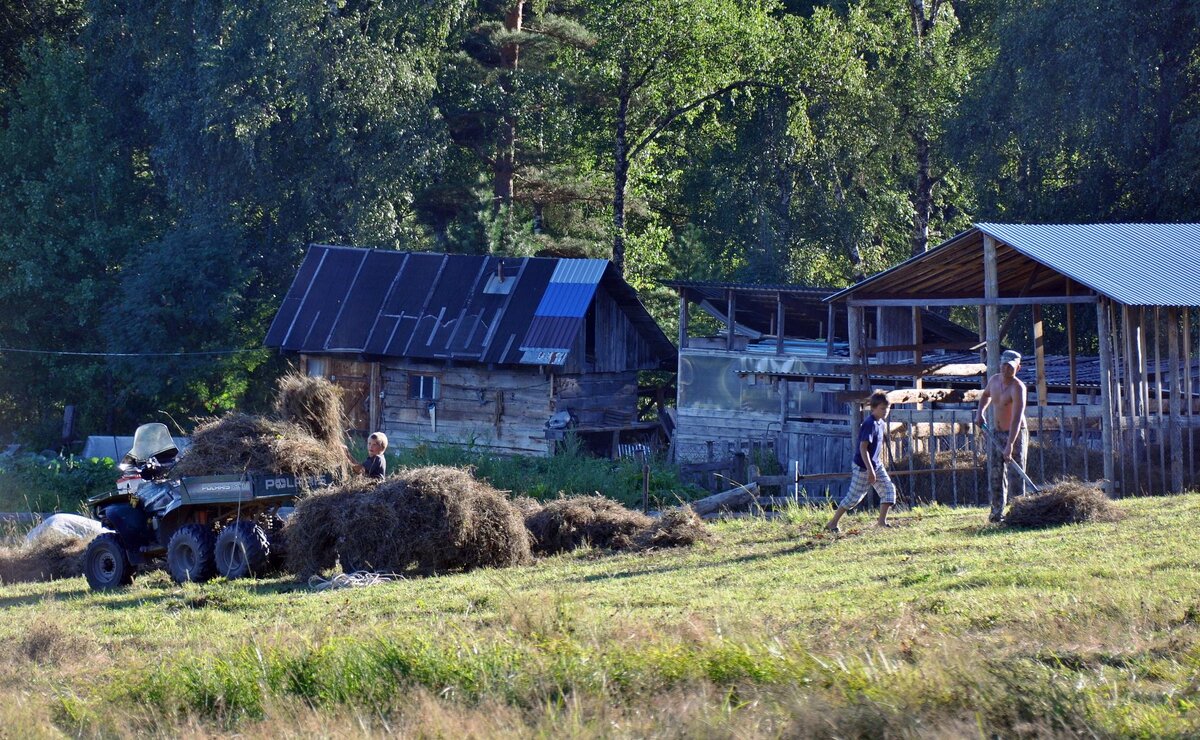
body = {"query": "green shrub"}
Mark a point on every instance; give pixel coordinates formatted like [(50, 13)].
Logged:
[(45, 483)]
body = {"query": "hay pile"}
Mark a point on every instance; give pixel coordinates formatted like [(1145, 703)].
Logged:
[(1069, 501), (236, 443), (314, 404), (567, 523), (429, 519), (50, 557)]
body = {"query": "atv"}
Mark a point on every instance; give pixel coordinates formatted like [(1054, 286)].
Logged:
[(202, 526)]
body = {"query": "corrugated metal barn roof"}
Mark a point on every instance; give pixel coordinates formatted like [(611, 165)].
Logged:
[(1133, 264), (370, 302)]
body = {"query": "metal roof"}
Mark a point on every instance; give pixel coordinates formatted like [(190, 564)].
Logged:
[(1133, 264), (482, 308)]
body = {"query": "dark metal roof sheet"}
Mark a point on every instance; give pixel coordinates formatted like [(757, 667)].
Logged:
[(1133, 264), (434, 306)]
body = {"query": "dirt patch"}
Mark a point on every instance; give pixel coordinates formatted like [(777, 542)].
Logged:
[(1068, 501), (49, 558)]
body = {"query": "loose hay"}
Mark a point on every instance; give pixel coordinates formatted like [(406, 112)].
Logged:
[(314, 404), (236, 443), (567, 523), (1069, 501), (431, 519), (677, 527), (48, 558)]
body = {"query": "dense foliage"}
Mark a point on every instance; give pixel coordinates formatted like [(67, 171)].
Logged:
[(164, 164)]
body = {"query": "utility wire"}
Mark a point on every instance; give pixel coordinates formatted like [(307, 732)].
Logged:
[(63, 353)]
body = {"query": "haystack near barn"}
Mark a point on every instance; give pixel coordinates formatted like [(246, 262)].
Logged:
[(504, 353), (1129, 290)]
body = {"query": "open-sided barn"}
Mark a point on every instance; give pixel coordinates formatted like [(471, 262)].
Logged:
[(503, 353)]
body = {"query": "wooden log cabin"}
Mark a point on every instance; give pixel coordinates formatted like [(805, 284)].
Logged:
[(505, 354)]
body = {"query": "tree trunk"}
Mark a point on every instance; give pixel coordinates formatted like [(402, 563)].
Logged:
[(922, 194), (502, 171), (620, 173)]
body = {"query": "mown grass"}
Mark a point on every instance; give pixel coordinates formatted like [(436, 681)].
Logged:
[(941, 626)]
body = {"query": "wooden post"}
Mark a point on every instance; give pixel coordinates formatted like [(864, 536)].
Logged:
[(1071, 348), (731, 308), (1158, 404), (991, 290), (1105, 392), (1176, 409), (918, 333), (779, 323), (683, 318), (374, 407), (68, 427), (645, 482), (1191, 403), (1039, 353), (829, 332), (1129, 369), (854, 322), (1144, 397), (1118, 396)]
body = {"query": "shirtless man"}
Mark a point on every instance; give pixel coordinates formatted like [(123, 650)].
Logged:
[(1009, 393)]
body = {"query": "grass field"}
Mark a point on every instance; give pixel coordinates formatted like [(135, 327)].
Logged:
[(938, 627)]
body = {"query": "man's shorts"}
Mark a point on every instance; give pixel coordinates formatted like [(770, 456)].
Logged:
[(860, 484)]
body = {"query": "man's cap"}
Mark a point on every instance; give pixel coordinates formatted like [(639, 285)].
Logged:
[(1010, 357)]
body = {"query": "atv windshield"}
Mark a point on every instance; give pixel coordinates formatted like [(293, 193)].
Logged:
[(151, 440)]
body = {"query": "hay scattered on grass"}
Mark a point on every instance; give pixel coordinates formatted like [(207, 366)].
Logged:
[(50, 557), (1069, 501), (237, 443), (677, 527), (314, 404), (567, 523)]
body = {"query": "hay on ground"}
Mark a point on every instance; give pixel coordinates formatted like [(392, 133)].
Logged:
[(48, 558), (314, 404), (237, 443), (1069, 501), (527, 506), (677, 527), (567, 523), (430, 519)]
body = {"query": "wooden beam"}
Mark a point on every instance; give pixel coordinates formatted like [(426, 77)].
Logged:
[(1071, 347), (854, 321), (1144, 397), (991, 310), (918, 336), (683, 319), (986, 301), (914, 395), (779, 314), (829, 333), (932, 346), (1187, 365), (1106, 440), (1158, 406), (1039, 354), (730, 317), (1174, 430), (953, 369)]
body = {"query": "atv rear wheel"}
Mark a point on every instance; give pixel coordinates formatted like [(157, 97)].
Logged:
[(105, 564), (190, 554), (242, 550)]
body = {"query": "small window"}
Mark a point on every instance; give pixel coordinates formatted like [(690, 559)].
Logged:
[(423, 387)]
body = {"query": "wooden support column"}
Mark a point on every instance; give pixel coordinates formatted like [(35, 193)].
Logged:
[(918, 333), (1105, 393), (1158, 395), (374, 406), (731, 308), (1175, 432), (1128, 372), (779, 323), (991, 316), (1119, 365), (1071, 349), (683, 318), (829, 333), (1191, 403), (1144, 397), (854, 325), (1039, 354)]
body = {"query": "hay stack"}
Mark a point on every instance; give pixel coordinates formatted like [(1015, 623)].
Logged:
[(50, 557), (314, 404), (236, 443), (567, 523), (430, 519), (1069, 501), (677, 527)]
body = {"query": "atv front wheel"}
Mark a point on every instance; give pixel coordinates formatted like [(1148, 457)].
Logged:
[(242, 550), (105, 565), (191, 554)]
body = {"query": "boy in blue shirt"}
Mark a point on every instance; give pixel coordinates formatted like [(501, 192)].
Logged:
[(868, 470)]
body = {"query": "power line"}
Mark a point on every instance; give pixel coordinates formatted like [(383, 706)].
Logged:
[(63, 353)]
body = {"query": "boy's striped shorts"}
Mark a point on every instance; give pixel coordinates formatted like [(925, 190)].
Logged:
[(859, 485)]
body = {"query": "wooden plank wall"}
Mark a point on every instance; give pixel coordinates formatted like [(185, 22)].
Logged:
[(504, 410), (601, 399), (619, 347)]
